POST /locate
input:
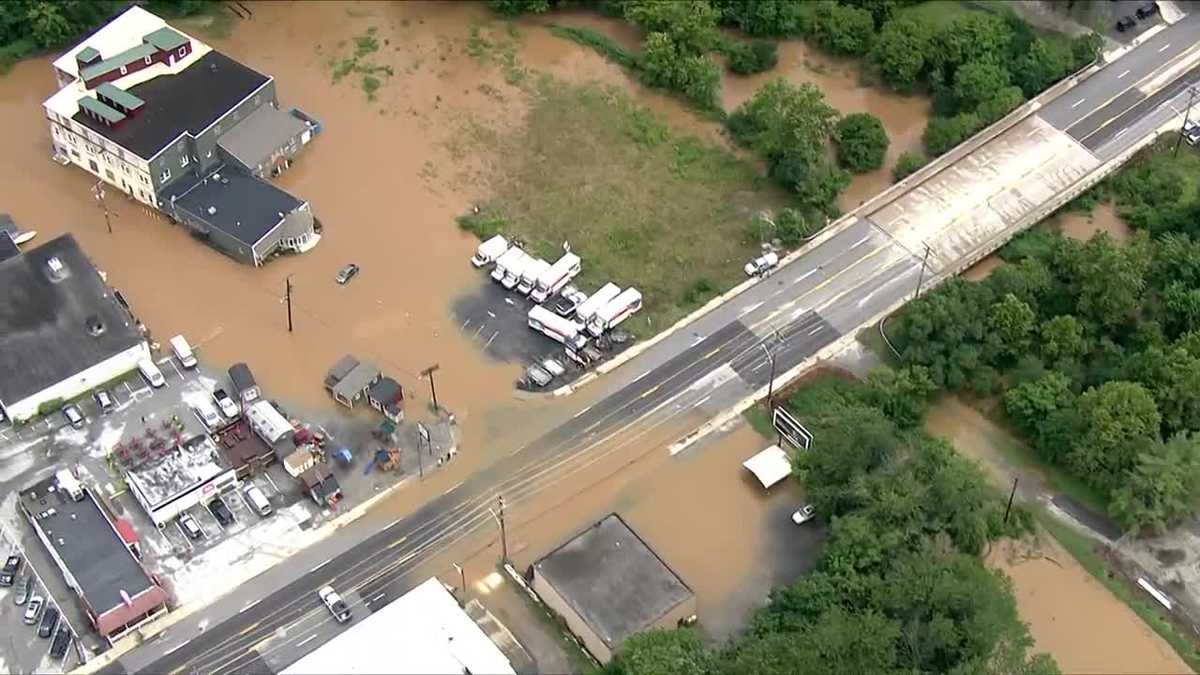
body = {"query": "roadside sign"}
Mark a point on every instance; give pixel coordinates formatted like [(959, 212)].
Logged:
[(423, 433), (790, 429)]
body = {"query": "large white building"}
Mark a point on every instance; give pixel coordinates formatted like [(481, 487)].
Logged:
[(62, 331), (423, 631)]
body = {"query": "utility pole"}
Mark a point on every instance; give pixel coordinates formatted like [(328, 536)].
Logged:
[(462, 580), (771, 384), (288, 296), (428, 373), (921, 276), (98, 193), (503, 532), (1010, 500), (1192, 93)]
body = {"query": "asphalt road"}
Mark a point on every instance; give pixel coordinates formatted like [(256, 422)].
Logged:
[(705, 367)]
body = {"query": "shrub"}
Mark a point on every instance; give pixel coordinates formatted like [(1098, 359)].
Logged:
[(597, 41), (907, 164), (50, 406), (747, 58), (518, 7), (843, 29), (664, 64), (862, 142), (484, 225), (943, 133)]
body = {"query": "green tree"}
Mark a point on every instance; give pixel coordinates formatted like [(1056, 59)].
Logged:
[(838, 641), (664, 64), (1085, 49), (902, 394), (1118, 418), (1031, 403), (943, 133), (664, 652), (1043, 64), (1062, 338), (843, 29), (970, 37), (784, 119), (747, 58), (1003, 102), (1163, 487), (977, 81), (773, 18), (48, 24), (1110, 279), (900, 52), (1011, 324), (691, 24), (817, 186), (518, 7), (907, 164), (862, 142)]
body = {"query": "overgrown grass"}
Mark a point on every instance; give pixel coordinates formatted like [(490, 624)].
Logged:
[(597, 41), (641, 205), (1084, 550), (581, 661), (358, 63)]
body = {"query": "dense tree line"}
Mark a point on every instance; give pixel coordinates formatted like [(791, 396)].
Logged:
[(31, 25), (1094, 348), (899, 587)]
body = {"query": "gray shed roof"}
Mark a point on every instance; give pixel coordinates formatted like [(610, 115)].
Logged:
[(356, 380), (339, 370), (264, 131)]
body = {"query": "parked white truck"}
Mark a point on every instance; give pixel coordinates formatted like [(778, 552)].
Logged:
[(557, 328), (609, 316), (489, 251), (512, 276), (505, 261), (552, 279), (530, 275), (588, 308)]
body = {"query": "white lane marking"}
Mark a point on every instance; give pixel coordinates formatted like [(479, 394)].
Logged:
[(582, 411), (1119, 133), (701, 401), (816, 330), (375, 598), (1163, 48), (640, 376), (452, 488), (759, 367), (864, 240), (1123, 74), (1078, 103), (250, 605), (176, 648), (393, 523), (321, 565), (306, 640), (748, 309), (804, 276)]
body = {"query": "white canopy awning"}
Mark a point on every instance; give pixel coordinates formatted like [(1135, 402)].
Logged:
[(770, 466)]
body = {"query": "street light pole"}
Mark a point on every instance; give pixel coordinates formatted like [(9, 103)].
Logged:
[(503, 533), (428, 373), (288, 295), (462, 580), (921, 276), (98, 192), (1192, 92), (771, 383)]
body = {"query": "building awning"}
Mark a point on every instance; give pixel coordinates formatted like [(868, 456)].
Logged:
[(770, 466), (128, 534)]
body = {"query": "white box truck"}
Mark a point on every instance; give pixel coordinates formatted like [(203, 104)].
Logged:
[(612, 314), (529, 277), (588, 308), (506, 259), (553, 279), (557, 328), (489, 251), (513, 274)]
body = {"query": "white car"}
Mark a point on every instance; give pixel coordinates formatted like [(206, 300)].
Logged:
[(804, 514), (762, 264), (227, 405), (334, 603), (207, 416)]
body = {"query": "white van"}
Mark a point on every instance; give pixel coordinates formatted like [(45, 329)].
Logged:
[(207, 414), (151, 372), (489, 251), (257, 500), (183, 352)]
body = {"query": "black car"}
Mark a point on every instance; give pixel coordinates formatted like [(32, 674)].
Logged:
[(1125, 23), (221, 512), (62, 640), (49, 622), (9, 574), (1147, 10)]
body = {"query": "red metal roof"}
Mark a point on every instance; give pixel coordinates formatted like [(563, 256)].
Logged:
[(128, 534)]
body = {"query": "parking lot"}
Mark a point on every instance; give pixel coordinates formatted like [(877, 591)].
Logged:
[(25, 650), (496, 319)]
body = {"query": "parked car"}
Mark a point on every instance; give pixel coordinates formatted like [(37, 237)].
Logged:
[(151, 372), (537, 376), (334, 603), (228, 406), (1125, 23), (1147, 10), (569, 298), (74, 415), (207, 414), (190, 527), (33, 611), (9, 574), (804, 514), (23, 591), (762, 264), (62, 640), (49, 622), (347, 273), (221, 512), (104, 401)]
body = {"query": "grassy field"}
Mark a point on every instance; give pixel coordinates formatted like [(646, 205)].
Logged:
[(641, 205)]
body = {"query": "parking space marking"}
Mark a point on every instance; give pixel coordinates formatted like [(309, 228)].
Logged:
[(489, 342), (376, 598), (477, 331), (272, 482), (186, 539)]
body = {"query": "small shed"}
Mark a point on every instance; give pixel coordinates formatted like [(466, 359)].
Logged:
[(348, 380), (244, 383), (770, 466), (387, 396), (322, 485)]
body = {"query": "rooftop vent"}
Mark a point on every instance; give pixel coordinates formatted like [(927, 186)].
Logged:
[(212, 210), (95, 327), (56, 269)]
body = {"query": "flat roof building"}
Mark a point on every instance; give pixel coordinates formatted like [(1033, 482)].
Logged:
[(423, 631), (116, 591), (62, 332), (608, 584), (191, 473), (155, 113)]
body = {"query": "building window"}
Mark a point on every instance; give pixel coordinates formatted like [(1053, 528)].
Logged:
[(166, 175), (183, 50), (183, 161), (146, 59), (124, 70), (111, 177)]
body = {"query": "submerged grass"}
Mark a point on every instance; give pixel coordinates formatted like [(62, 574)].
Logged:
[(642, 206)]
